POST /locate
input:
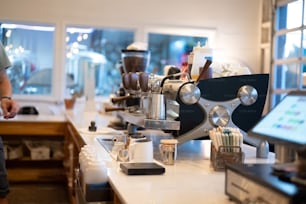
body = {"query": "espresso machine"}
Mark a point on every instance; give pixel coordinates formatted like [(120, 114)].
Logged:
[(187, 108)]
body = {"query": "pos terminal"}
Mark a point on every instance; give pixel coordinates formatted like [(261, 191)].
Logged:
[(284, 183)]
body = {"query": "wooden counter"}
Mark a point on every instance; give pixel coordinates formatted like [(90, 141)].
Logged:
[(32, 128), (190, 180)]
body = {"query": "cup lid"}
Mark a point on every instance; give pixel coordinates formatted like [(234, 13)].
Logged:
[(133, 51), (169, 141)]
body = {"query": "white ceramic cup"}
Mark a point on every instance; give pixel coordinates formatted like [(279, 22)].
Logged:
[(133, 140), (141, 151)]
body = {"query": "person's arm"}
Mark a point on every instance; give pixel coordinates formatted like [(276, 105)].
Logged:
[(9, 107)]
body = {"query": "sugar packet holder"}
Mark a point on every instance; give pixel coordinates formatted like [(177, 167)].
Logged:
[(226, 136), (225, 147)]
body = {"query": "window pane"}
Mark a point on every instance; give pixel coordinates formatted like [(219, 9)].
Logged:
[(288, 46), (304, 42), (170, 50), (304, 13), (290, 15), (286, 76), (304, 76), (30, 49), (277, 98), (100, 48)]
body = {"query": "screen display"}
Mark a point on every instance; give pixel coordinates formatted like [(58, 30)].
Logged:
[(286, 123)]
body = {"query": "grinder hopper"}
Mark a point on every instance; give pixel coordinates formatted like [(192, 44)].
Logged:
[(135, 60)]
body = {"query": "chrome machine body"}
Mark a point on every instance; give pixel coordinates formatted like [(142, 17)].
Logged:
[(192, 109), (235, 101)]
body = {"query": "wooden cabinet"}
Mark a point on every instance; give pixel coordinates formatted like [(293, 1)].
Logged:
[(73, 144), (21, 164), (27, 169), (23, 168)]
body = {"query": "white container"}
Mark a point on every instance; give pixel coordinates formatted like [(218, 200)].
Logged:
[(93, 168), (200, 55), (40, 153), (95, 173), (38, 150), (14, 151)]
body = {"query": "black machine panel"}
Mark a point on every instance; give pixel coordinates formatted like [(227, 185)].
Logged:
[(226, 89)]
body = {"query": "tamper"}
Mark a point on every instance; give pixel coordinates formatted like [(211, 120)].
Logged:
[(92, 127)]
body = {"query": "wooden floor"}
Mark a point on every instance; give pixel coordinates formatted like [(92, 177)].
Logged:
[(38, 194)]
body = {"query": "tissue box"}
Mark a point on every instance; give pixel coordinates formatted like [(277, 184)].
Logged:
[(38, 150)]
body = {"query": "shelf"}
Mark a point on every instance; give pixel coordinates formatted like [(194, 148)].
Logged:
[(25, 175), (29, 163), (52, 129)]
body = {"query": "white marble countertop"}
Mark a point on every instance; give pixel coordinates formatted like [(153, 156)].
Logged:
[(190, 180), (36, 118)]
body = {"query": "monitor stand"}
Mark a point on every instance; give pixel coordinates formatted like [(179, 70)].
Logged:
[(300, 177), (284, 153), (295, 171)]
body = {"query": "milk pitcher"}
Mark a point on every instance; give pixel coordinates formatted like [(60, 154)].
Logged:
[(158, 107)]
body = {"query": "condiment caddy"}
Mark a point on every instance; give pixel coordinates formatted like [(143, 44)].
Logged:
[(225, 147)]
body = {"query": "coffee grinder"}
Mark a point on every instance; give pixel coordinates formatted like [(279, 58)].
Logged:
[(133, 67)]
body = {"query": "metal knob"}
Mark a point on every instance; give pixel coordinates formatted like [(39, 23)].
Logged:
[(219, 116), (189, 93), (248, 95)]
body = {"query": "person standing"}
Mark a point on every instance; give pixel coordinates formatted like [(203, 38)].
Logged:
[(9, 109)]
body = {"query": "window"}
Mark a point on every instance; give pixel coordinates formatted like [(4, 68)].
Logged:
[(30, 50), (100, 48), (170, 50), (289, 50), (36, 70), (170, 46)]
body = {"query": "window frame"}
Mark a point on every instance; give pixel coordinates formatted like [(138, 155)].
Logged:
[(59, 53), (38, 97), (281, 92), (210, 33)]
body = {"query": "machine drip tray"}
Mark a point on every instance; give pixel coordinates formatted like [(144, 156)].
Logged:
[(106, 143)]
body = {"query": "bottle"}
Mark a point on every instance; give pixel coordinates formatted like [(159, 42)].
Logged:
[(184, 71), (95, 172), (190, 61), (200, 55)]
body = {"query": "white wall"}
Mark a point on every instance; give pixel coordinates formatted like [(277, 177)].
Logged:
[(236, 21)]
